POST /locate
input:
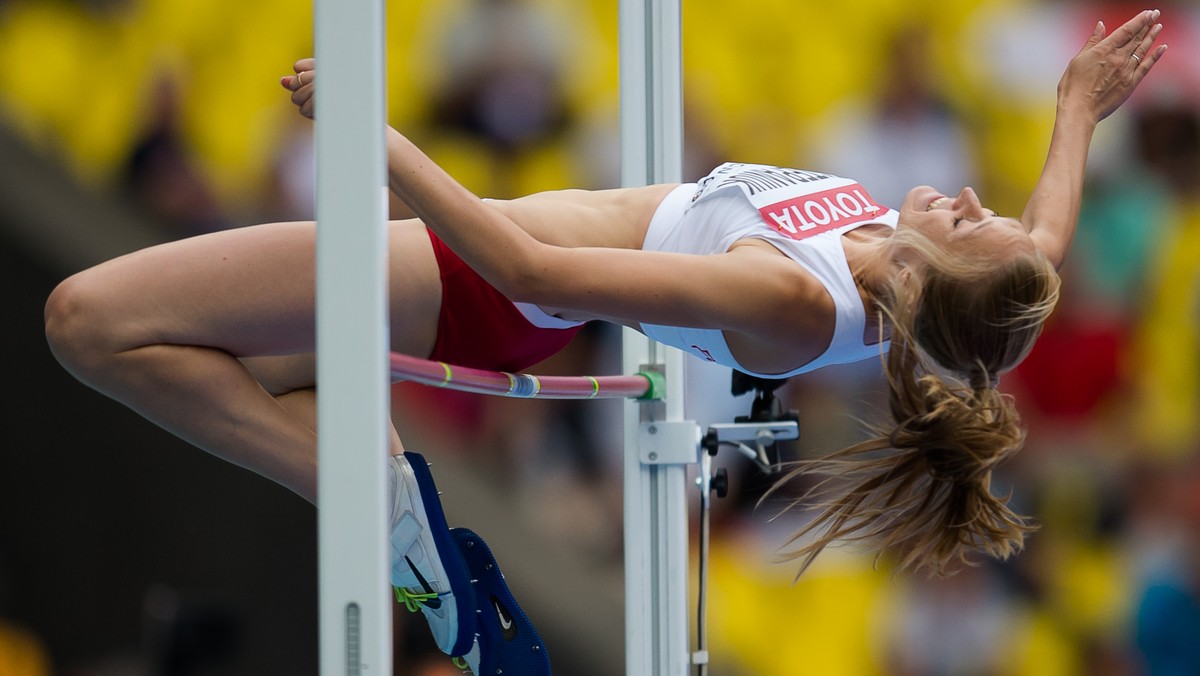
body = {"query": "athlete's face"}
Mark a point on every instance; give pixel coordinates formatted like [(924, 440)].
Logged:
[(962, 224)]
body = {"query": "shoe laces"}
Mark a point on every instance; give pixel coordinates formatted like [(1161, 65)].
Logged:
[(413, 600)]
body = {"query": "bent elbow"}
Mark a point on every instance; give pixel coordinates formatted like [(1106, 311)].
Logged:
[(526, 285), (528, 274)]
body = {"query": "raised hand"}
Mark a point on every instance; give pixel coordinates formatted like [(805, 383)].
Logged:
[(1106, 71), (302, 85)]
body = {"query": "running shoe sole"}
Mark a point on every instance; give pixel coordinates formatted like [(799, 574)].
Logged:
[(508, 642)]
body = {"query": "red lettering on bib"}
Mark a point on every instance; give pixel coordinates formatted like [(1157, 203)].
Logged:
[(808, 215)]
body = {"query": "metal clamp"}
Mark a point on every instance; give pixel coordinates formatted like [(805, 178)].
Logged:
[(669, 442), (763, 434)]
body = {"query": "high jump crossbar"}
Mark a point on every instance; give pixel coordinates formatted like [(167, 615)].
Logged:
[(644, 385), (352, 340)]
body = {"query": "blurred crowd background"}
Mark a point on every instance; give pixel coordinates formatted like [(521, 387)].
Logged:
[(129, 122)]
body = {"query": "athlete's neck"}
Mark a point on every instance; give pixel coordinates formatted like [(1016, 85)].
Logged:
[(869, 256)]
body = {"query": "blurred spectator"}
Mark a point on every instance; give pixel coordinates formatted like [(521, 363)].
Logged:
[(1166, 541), (501, 68), (906, 123), (954, 626), (1168, 136), (290, 191), (161, 176), (1168, 361), (503, 60)]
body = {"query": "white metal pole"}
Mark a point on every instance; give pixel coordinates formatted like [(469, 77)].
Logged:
[(352, 339), (659, 444)]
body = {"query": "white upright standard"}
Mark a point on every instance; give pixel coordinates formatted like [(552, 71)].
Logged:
[(352, 339), (659, 444)]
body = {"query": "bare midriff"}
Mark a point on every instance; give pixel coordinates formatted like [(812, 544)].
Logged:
[(615, 218)]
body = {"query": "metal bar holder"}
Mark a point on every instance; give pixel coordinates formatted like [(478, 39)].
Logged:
[(764, 435)]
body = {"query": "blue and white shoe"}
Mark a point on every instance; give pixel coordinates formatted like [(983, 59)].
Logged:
[(428, 572)]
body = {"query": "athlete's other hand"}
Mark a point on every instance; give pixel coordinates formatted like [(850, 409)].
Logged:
[(302, 85), (1107, 70)]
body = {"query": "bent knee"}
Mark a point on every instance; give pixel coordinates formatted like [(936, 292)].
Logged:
[(79, 330)]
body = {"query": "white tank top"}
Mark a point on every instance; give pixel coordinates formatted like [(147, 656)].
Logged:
[(803, 214)]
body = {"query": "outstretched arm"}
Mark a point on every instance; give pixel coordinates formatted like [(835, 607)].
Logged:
[(744, 290), (1097, 81), (440, 201)]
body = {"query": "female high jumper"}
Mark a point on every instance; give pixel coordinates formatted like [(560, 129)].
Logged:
[(771, 271)]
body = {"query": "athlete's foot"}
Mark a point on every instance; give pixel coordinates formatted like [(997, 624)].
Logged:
[(428, 572)]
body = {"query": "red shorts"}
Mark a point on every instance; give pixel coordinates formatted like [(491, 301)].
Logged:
[(480, 328)]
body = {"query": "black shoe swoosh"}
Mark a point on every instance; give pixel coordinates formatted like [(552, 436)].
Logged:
[(435, 602)]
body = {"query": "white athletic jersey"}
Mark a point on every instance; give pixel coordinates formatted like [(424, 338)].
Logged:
[(803, 214)]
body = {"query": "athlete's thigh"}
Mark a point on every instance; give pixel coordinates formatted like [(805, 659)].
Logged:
[(414, 288), (250, 291)]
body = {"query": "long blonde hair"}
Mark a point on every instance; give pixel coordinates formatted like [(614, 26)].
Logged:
[(921, 486)]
